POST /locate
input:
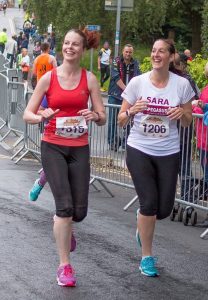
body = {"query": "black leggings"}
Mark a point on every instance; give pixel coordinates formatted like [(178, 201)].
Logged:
[(155, 179), (105, 73), (68, 173)]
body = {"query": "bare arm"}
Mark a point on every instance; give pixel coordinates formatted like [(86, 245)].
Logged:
[(127, 110), (34, 70), (53, 61), (98, 113), (121, 84), (31, 113), (99, 62)]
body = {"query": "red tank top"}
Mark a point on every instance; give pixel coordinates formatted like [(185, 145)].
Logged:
[(69, 102)]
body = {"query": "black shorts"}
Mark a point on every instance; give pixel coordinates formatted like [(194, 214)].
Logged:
[(67, 170), (155, 179)]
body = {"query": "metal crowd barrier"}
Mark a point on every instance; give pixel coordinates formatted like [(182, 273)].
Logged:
[(2, 61), (32, 138), (108, 163), (3, 100), (14, 111), (14, 75), (108, 151)]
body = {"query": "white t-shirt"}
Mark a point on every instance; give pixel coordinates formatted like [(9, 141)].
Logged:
[(105, 56), (153, 132), (26, 60)]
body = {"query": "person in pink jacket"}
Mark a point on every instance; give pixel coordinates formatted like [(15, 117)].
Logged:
[(200, 107)]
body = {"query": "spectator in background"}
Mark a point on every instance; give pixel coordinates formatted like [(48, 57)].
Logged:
[(23, 63), (200, 107), (44, 62), (187, 52), (123, 69), (25, 42), (37, 50), (19, 42), (27, 28), (104, 57), (4, 7), (52, 41), (11, 49), (19, 4), (187, 191), (3, 40)]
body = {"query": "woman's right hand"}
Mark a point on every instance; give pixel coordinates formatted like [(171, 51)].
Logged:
[(48, 113), (139, 106)]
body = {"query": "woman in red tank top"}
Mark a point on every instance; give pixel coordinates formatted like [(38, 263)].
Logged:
[(64, 147)]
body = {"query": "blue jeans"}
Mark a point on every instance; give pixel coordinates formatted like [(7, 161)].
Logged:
[(113, 138)]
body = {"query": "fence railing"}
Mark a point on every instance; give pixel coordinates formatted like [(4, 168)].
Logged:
[(108, 150)]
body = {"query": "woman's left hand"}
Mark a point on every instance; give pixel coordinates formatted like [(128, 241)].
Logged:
[(89, 115), (175, 113)]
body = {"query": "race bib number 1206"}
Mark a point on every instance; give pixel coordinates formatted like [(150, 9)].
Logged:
[(154, 126), (71, 127)]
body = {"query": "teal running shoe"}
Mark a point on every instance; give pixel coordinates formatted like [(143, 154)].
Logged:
[(35, 191), (137, 232), (147, 266)]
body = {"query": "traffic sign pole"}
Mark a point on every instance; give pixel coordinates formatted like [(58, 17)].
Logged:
[(118, 21)]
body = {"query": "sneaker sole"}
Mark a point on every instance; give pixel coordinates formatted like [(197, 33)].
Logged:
[(69, 284), (148, 275)]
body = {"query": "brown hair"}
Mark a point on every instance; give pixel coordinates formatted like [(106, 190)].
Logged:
[(170, 44), (172, 50), (44, 47), (128, 45), (90, 39)]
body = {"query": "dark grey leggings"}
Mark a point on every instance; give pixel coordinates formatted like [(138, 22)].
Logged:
[(68, 173), (155, 179)]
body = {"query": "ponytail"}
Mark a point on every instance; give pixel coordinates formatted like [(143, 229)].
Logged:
[(91, 39)]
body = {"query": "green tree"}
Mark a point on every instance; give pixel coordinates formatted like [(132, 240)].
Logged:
[(148, 20)]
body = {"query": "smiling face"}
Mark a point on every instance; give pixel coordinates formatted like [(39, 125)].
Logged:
[(128, 53), (161, 55), (72, 48)]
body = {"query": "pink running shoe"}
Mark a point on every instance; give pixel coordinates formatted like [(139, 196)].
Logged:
[(66, 276)]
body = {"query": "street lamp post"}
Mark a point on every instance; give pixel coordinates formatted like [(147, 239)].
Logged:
[(118, 19)]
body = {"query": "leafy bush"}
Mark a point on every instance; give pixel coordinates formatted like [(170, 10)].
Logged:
[(146, 65), (196, 70)]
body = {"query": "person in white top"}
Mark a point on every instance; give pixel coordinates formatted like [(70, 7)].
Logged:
[(11, 49), (25, 64), (155, 100), (104, 57)]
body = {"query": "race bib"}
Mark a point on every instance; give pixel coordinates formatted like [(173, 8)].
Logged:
[(154, 126), (71, 127)]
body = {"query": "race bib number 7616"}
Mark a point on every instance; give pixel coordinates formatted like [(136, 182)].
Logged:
[(71, 127)]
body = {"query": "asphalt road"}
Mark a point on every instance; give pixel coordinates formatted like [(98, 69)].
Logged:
[(106, 260)]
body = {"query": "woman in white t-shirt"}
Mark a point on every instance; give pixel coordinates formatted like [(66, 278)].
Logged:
[(155, 100)]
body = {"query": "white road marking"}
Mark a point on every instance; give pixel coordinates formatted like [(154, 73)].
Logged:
[(4, 156), (12, 27)]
